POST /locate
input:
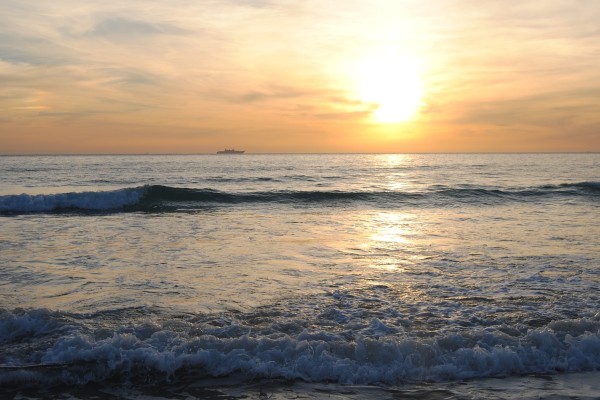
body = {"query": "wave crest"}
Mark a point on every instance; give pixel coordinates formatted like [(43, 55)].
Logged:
[(162, 198), (93, 201)]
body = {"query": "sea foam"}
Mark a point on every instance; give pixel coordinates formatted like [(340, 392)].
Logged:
[(311, 355), (92, 200)]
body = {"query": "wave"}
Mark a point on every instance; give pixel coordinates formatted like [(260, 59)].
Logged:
[(157, 198), (42, 347), (100, 200)]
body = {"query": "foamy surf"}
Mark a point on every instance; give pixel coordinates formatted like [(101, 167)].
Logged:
[(72, 201), (75, 350)]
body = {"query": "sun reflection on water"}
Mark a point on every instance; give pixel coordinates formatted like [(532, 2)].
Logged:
[(390, 240), (396, 172), (392, 228)]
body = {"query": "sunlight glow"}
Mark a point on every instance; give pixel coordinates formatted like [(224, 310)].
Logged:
[(392, 228), (392, 82), (387, 234)]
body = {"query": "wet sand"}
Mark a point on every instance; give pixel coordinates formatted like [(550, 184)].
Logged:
[(581, 386)]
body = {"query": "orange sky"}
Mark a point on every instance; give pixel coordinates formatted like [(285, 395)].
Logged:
[(299, 76)]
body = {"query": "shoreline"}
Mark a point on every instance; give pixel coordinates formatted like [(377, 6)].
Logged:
[(580, 385)]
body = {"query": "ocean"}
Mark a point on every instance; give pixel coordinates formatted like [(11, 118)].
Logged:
[(426, 276)]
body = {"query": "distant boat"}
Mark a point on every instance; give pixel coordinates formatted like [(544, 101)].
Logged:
[(231, 151)]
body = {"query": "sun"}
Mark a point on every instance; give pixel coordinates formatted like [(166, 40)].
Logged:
[(392, 83)]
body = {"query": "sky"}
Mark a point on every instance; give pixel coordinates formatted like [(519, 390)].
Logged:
[(183, 76)]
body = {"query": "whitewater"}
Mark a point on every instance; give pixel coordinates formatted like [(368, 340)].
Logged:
[(352, 276)]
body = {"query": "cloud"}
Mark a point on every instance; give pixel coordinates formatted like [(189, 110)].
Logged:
[(273, 93), (557, 109), (116, 27), (529, 65), (343, 115), (251, 3), (23, 49)]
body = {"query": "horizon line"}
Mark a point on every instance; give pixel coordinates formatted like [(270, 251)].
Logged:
[(292, 153)]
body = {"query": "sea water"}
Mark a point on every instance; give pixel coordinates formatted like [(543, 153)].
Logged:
[(347, 276)]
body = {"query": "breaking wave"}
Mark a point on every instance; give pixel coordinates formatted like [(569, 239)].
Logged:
[(63, 352), (159, 198)]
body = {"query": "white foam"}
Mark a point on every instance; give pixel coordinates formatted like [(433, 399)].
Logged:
[(33, 323), (318, 356), (94, 200)]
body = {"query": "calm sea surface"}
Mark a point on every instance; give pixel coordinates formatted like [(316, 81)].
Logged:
[(348, 276)]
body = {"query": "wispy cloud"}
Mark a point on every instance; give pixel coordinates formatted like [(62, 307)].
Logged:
[(121, 28), (274, 92)]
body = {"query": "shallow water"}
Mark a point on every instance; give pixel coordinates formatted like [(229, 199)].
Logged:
[(416, 275)]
